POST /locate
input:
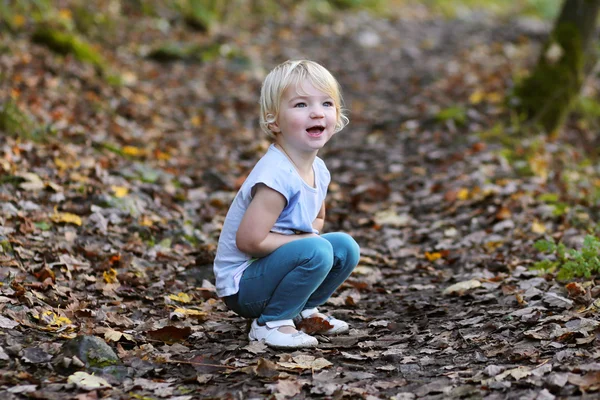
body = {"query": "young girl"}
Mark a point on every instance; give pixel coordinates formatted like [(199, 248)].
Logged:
[(272, 264)]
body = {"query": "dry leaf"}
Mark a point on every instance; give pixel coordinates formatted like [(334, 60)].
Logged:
[(306, 362), (313, 325), (6, 323), (181, 297), (538, 227), (461, 288), (120, 191), (66, 218), (170, 334), (285, 388), (110, 276), (85, 381)]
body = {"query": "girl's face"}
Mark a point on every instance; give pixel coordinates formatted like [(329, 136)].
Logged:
[(307, 118)]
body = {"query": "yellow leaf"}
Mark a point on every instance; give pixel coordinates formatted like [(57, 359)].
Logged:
[(433, 256), (196, 121), (476, 97), (110, 276), (67, 218), (120, 191), (191, 313), (146, 221), (60, 164), (65, 13), (19, 20), (494, 97), (493, 245), (538, 227), (539, 166), (161, 155), (181, 297), (133, 151), (54, 321), (463, 194)]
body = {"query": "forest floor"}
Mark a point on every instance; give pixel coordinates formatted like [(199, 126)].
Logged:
[(108, 224)]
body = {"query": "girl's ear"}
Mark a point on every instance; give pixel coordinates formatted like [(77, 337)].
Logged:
[(274, 127)]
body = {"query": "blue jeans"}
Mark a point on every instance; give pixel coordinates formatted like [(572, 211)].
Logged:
[(298, 275)]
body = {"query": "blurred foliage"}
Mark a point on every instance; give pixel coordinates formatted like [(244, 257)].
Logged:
[(544, 9), (67, 43), (95, 17), (571, 263), (14, 121)]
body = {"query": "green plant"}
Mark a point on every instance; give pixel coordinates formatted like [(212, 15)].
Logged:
[(16, 122), (458, 114), (66, 43), (570, 263)]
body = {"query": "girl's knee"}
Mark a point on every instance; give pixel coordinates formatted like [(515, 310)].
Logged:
[(321, 250), (343, 243)]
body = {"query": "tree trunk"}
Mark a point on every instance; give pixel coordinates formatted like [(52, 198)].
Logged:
[(547, 94)]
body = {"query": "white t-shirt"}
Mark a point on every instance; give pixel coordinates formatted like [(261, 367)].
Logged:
[(277, 172)]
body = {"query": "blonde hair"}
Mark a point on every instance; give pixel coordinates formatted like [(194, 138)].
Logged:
[(293, 72)]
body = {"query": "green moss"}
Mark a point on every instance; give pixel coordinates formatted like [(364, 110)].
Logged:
[(175, 51), (199, 15), (16, 122), (97, 361), (66, 43), (547, 95), (456, 113)]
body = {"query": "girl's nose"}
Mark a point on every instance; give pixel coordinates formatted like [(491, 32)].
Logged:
[(317, 113)]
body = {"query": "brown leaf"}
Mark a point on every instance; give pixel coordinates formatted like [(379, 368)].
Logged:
[(587, 382), (170, 334), (313, 325), (266, 368)]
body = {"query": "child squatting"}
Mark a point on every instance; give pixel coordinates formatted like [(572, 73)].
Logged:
[(273, 264)]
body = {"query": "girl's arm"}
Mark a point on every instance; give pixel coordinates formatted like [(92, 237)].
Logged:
[(254, 236), (319, 222)]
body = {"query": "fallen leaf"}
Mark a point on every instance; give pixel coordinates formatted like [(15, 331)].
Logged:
[(170, 334), (306, 362), (66, 218), (433, 256), (181, 313), (285, 388), (34, 182), (461, 288), (313, 325), (110, 276), (256, 347), (114, 335), (538, 227), (85, 381), (120, 191), (7, 323), (181, 297), (587, 382)]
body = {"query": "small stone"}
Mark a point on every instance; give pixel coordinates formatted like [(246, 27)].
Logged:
[(91, 350)]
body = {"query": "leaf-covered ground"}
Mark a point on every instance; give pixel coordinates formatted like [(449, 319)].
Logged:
[(108, 226)]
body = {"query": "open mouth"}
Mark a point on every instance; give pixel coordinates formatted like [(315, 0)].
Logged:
[(316, 130)]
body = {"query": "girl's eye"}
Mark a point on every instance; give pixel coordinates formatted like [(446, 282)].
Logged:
[(300, 105), (328, 103)]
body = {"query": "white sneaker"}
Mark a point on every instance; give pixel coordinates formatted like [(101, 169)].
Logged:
[(338, 326), (272, 337)]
